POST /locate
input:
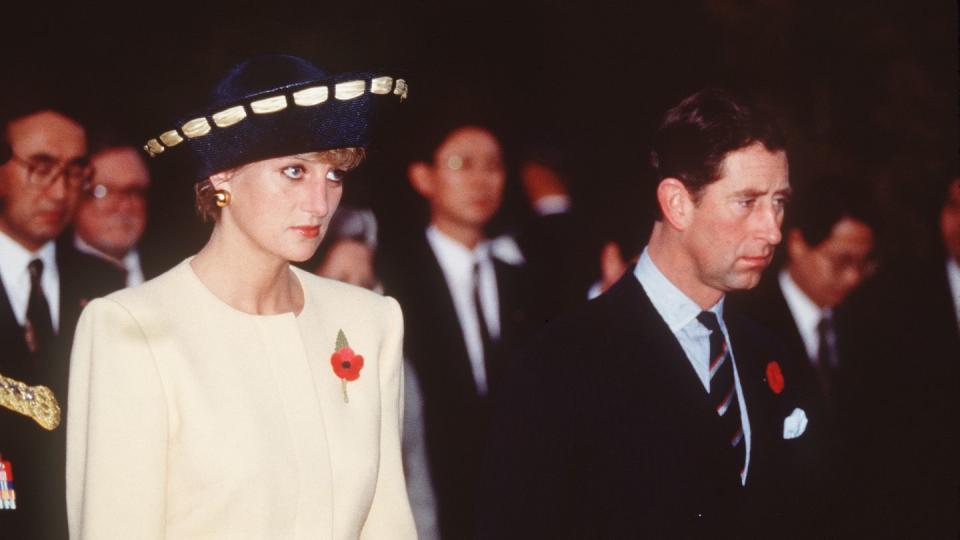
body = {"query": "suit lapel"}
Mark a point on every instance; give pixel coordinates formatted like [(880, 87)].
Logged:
[(654, 357), (14, 358), (758, 395)]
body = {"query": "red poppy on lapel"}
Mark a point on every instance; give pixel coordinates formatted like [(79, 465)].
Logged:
[(346, 364), (775, 377)]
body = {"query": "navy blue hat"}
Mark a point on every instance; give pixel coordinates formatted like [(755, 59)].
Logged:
[(271, 106)]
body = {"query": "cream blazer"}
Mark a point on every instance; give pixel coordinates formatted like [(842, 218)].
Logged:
[(190, 419)]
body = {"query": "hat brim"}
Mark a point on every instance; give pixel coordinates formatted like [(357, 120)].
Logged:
[(304, 117)]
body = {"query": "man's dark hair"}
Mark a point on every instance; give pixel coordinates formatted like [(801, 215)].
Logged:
[(24, 98), (450, 111), (697, 134), (817, 206)]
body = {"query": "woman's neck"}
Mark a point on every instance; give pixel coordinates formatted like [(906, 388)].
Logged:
[(247, 278)]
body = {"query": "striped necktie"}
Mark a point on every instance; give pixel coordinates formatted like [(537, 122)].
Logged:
[(723, 394)]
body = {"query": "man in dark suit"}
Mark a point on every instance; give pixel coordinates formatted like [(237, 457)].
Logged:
[(830, 238), (43, 287), (461, 294), (911, 425), (653, 412)]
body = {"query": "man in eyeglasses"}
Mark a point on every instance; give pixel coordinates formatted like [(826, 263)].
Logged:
[(461, 293), (830, 238), (112, 214), (44, 287)]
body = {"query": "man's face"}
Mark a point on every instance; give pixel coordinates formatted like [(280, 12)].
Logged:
[(735, 225), (830, 270), (113, 212), (31, 214), (466, 179), (950, 221)]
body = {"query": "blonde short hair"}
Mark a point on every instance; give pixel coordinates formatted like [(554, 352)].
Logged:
[(205, 200)]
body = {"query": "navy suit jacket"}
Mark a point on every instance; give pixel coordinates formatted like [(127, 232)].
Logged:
[(455, 415), (37, 456), (605, 431), (911, 422)]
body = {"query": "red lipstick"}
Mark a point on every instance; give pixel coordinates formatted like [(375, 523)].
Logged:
[(311, 231)]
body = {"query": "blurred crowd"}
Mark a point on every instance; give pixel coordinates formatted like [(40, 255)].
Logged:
[(872, 343)]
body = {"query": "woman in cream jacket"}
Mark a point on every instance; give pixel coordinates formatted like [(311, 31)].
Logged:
[(236, 396)]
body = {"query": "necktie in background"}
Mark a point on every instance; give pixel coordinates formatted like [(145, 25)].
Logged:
[(826, 356), (39, 327), (723, 393), (489, 362)]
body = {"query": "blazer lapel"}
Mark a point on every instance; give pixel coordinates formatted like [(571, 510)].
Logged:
[(15, 358), (652, 352), (758, 395)]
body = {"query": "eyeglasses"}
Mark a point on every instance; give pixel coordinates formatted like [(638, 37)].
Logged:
[(104, 195), (841, 263), (460, 163), (41, 173)]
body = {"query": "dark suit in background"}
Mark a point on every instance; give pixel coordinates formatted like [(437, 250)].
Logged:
[(455, 414), (37, 456), (911, 436), (605, 431), (826, 462)]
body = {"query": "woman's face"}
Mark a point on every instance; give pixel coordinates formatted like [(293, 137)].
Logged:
[(281, 206)]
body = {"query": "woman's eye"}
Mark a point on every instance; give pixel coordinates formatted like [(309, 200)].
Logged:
[(294, 172), (336, 175)]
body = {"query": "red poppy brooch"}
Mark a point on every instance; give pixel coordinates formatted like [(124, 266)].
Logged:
[(775, 377), (346, 363)]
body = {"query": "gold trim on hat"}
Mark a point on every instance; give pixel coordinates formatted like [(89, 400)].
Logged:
[(197, 127), (311, 96), (36, 402), (229, 117), (306, 97), (171, 138), (153, 147), (381, 85), (349, 90), (400, 89), (269, 105)]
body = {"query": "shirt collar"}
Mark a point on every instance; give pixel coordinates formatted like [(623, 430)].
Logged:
[(676, 308), (453, 254), (14, 258), (953, 279), (85, 247), (806, 313)]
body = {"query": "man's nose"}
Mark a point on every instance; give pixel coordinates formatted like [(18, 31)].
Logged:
[(770, 221), (58, 189)]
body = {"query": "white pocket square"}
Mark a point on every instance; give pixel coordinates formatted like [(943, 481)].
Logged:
[(795, 424)]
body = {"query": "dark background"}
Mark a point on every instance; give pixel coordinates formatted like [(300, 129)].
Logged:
[(867, 90)]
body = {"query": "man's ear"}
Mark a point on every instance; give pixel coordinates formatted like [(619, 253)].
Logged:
[(796, 245), (676, 203), (421, 178)]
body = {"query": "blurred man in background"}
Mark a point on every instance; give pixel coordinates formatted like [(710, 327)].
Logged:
[(112, 213), (462, 297)]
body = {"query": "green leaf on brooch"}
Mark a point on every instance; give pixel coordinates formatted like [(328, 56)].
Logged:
[(341, 341)]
